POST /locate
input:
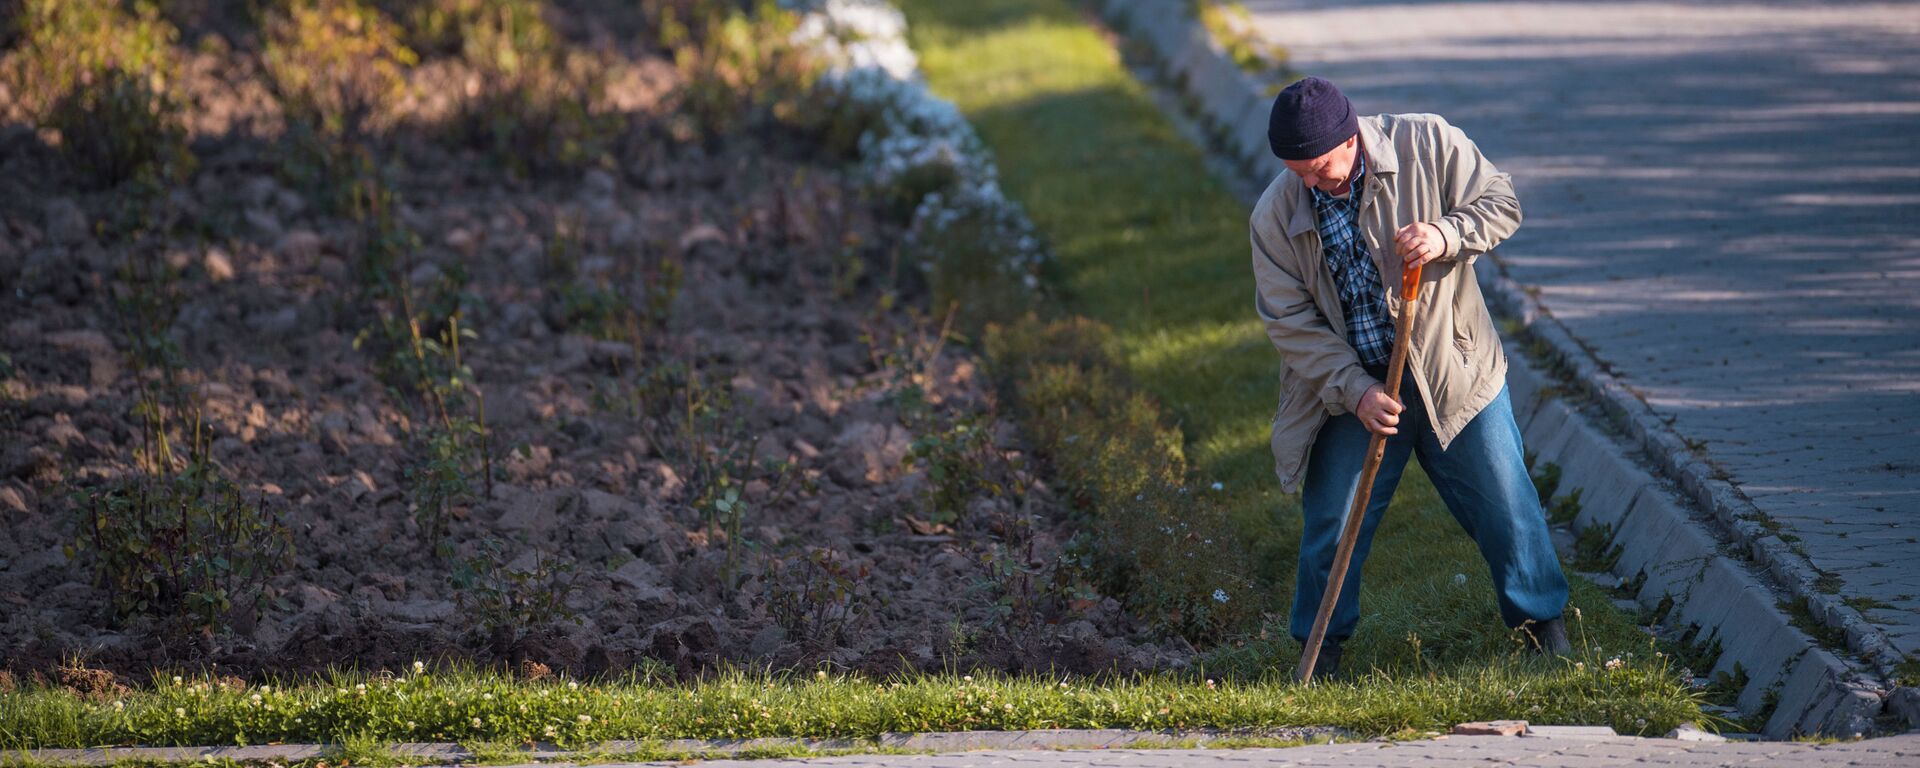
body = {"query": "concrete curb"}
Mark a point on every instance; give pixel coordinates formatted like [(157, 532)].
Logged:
[(1669, 550), (940, 741)]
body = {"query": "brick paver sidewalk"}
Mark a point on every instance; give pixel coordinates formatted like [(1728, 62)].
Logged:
[(1723, 202), (1901, 751)]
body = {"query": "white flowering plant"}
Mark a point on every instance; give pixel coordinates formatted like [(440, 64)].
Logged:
[(921, 157)]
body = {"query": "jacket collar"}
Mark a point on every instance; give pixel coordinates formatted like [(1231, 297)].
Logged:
[(1381, 158)]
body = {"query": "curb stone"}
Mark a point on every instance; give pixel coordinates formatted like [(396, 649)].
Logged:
[(1686, 556)]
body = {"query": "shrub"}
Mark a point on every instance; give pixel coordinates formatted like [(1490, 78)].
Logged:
[(528, 101), (337, 66), (979, 253), (821, 598), (184, 547), (97, 74), (737, 66), (507, 602)]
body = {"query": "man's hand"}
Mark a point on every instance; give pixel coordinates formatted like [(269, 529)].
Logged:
[(1379, 413), (1419, 243)]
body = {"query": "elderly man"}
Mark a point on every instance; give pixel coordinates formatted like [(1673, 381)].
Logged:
[(1354, 188)]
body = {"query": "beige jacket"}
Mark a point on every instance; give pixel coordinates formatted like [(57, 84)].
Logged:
[(1419, 168)]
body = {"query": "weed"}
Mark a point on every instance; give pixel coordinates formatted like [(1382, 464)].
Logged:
[(509, 600), (1800, 613), (1232, 27), (1564, 510), (1594, 550), (1907, 672), (1546, 480), (97, 72)]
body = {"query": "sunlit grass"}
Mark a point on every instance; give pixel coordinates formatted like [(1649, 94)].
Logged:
[(361, 714)]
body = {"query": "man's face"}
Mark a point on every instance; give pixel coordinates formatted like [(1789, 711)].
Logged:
[(1329, 172)]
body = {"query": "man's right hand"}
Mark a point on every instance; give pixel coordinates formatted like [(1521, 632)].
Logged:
[(1379, 413)]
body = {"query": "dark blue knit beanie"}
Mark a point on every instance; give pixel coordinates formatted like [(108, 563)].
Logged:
[(1309, 118)]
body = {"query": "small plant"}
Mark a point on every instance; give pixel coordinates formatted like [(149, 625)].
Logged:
[(1593, 550), (425, 367), (1016, 578), (736, 66), (819, 597), (97, 72), (531, 106), (963, 462), (173, 539), (181, 546), (978, 253), (508, 603), (338, 67)]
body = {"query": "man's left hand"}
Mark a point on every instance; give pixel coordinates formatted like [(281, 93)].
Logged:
[(1419, 243)]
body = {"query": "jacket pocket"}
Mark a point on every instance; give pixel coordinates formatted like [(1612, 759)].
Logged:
[(1463, 338)]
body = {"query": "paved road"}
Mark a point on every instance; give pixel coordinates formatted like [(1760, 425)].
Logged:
[(1900, 751), (1723, 201)]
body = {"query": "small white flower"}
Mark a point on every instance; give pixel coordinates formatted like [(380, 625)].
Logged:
[(119, 705), (266, 689), (1219, 486), (176, 679), (550, 733), (1219, 595), (819, 674), (967, 678), (486, 697), (409, 725), (1615, 663), (1459, 579), (360, 689), (419, 667), (476, 722), (586, 719), (179, 712), (1579, 666), (256, 699), (572, 686)]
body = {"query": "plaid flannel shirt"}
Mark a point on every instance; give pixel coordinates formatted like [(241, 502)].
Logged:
[(1362, 296)]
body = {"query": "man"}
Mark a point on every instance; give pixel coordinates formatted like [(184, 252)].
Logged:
[(1357, 189)]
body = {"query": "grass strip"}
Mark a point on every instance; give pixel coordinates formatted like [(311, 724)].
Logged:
[(477, 706), (1155, 250)]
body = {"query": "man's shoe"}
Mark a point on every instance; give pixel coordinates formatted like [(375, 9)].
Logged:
[(1328, 664), (1549, 636)]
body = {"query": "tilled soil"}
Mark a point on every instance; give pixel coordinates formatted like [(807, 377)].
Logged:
[(837, 563)]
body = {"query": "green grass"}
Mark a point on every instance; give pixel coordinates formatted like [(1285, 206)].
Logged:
[(490, 710), (1150, 244)]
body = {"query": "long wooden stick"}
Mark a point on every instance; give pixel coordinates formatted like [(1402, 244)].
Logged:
[(1376, 450)]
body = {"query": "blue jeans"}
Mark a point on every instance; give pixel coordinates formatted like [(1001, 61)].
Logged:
[(1482, 478)]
